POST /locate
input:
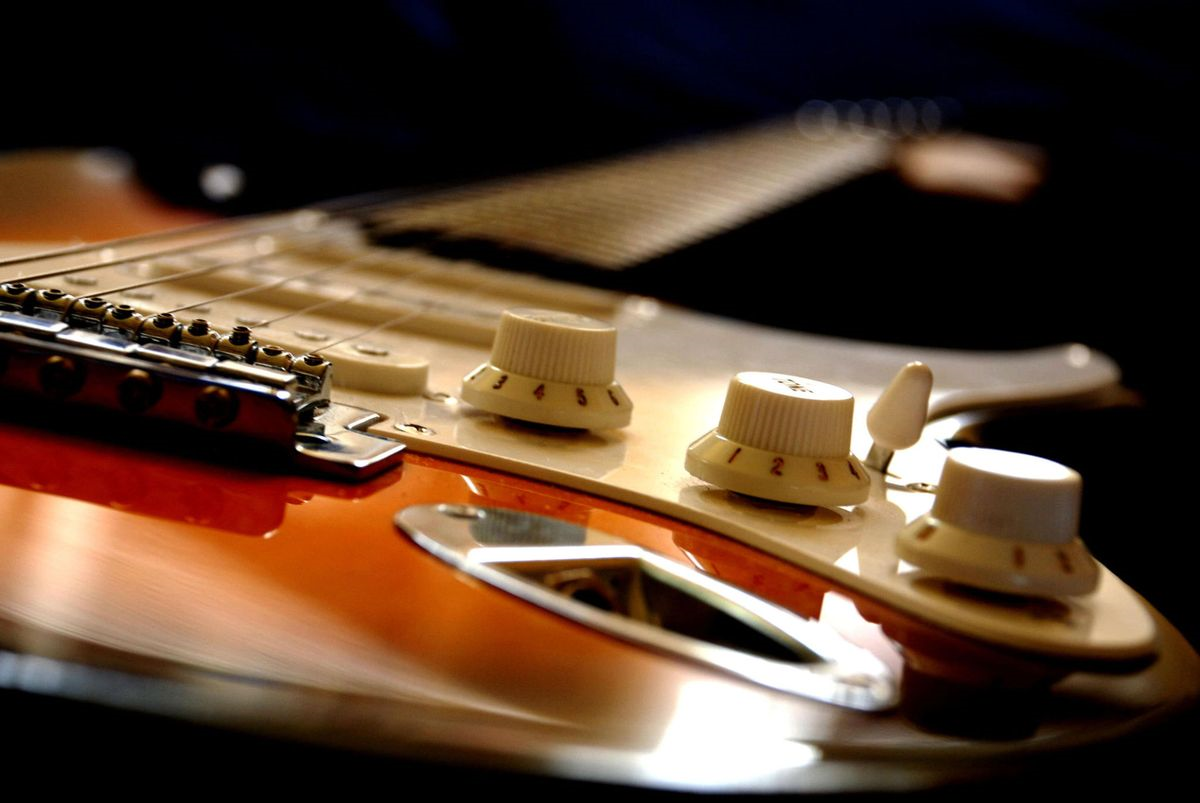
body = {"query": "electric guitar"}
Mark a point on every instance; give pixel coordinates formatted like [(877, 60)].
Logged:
[(275, 477)]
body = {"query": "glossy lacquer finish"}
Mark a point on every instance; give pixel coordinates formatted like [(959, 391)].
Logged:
[(292, 606), (238, 593)]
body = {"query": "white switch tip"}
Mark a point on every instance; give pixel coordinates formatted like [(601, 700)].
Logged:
[(898, 417)]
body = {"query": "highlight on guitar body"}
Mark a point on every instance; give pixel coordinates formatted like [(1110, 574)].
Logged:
[(286, 476)]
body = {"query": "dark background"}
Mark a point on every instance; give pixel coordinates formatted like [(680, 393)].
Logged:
[(316, 103)]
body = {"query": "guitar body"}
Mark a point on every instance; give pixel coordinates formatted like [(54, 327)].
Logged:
[(213, 584)]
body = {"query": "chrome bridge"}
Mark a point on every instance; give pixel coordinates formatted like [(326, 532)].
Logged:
[(86, 353)]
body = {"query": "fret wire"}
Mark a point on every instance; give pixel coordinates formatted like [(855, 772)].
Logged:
[(364, 210), (354, 208), (346, 212), (370, 208), (456, 193)]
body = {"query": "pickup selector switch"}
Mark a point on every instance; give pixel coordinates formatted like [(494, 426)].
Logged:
[(784, 438), (553, 368), (1004, 521)]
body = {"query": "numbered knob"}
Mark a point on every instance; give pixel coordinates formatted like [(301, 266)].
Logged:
[(784, 438), (552, 368), (1005, 522)]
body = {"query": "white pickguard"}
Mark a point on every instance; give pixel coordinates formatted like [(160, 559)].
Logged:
[(675, 365)]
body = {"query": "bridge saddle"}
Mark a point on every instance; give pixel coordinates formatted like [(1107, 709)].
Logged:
[(89, 354)]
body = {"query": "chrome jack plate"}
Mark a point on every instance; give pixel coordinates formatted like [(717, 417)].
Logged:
[(626, 591)]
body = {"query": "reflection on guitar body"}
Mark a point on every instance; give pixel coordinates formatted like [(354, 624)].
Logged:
[(240, 455)]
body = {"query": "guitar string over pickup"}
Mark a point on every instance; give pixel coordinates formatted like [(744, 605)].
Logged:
[(89, 354)]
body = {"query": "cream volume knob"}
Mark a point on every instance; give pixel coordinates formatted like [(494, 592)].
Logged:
[(553, 368), (784, 438), (1004, 521)]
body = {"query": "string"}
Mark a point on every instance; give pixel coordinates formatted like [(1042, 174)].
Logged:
[(118, 243), (364, 214), (243, 233), (355, 208), (361, 209), (108, 263), (187, 274), (282, 280), (379, 257), (402, 318), (332, 301)]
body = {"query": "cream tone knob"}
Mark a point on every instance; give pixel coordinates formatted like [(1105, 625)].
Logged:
[(784, 438), (553, 368), (1004, 521)]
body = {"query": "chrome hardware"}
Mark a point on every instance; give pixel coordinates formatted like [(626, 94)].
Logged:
[(122, 319), (238, 344), (312, 370), (275, 357), (91, 355), (13, 295), (51, 303), (88, 312), (199, 336), (160, 328), (629, 592)]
